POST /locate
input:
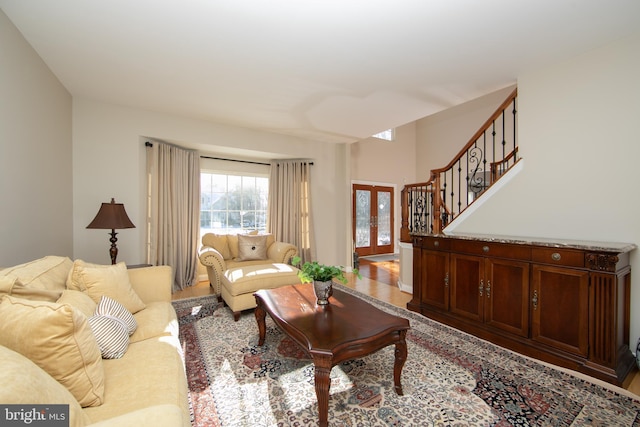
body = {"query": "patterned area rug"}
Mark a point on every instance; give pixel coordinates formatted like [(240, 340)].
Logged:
[(450, 379)]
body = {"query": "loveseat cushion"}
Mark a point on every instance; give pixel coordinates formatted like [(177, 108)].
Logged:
[(250, 278), (110, 280), (48, 273), (59, 341), (23, 382)]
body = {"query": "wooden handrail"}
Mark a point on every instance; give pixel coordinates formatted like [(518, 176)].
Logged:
[(494, 165), (479, 133)]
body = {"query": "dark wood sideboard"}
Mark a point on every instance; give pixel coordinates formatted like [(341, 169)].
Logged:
[(563, 302)]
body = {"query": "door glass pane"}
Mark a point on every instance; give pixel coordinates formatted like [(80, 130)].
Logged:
[(363, 212), (384, 218)]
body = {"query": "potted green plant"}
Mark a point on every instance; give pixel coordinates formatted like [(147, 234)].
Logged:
[(321, 276)]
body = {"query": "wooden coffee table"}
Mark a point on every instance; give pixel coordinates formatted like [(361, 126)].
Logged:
[(345, 329)]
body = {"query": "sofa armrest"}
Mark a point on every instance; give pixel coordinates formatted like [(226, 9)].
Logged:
[(216, 265), (209, 257), (152, 283), (282, 252), (152, 416)]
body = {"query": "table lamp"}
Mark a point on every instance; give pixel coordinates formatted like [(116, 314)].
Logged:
[(112, 216)]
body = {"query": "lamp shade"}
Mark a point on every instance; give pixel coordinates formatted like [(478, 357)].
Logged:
[(111, 216)]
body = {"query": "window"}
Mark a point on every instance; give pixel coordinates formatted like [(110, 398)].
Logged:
[(232, 204), (388, 135)]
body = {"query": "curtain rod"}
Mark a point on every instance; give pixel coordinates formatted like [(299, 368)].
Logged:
[(148, 144)]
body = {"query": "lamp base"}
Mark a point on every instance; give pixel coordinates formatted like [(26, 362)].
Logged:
[(113, 251)]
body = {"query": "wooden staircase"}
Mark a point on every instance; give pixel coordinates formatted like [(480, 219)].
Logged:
[(428, 207)]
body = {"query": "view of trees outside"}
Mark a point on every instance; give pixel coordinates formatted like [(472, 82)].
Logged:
[(232, 204)]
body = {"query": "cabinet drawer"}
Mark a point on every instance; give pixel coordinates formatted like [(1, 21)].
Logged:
[(501, 250), (556, 256), (436, 243)]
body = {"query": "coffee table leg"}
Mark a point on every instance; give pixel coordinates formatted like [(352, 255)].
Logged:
[(322, 364), (400, 358), (260, 318)]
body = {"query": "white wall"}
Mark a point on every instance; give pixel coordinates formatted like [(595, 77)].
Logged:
[(35, 154), (580, 141), (109, 161)]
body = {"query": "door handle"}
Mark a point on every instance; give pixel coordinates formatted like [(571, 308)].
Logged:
[(488, 289), (534, 300), (481, 287)]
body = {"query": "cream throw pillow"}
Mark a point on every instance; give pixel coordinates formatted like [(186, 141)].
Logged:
[(57, 338), (11, 285), (110, 280), (23, 382), (252, 247), (78, 300), (48, 273)]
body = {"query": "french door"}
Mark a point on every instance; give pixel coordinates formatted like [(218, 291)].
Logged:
[(372, 219)]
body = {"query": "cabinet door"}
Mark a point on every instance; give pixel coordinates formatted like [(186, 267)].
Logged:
[(506, 296), (560, 308), (467, 286), (435, 283)]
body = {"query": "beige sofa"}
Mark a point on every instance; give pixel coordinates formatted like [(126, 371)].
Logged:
[(240, 264), (52, 352)]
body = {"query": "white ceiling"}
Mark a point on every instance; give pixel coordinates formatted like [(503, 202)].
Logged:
[(328, 70)]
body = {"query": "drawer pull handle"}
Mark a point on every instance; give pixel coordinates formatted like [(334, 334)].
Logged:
[(556, 256), (535, 300), (485, 249), (436, 243)]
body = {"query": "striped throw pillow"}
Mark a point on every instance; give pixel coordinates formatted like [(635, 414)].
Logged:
[(112, 308), (111, 335)]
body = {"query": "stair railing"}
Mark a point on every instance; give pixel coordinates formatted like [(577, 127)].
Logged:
[(427, 208)]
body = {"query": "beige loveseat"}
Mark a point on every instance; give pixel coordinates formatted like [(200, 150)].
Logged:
[(240, 264), (52, 351)]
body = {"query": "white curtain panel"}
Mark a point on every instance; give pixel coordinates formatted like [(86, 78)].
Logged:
[(174, 210), (289, 214)]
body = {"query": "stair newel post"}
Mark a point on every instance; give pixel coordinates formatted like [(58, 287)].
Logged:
[(437, 206), (404, 226)]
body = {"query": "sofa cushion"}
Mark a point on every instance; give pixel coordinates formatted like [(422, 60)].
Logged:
[(110, 280), (111, 335), (79, 300), (111, 308), (11, 285), (252, 247), (218, 242), (23, 382), (49, 272), (150, 373), (60, 342), (157, 319)]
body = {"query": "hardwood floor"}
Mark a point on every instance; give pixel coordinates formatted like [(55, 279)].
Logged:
[(379, 280)]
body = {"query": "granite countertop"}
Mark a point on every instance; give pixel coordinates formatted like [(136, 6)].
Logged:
[(542, 241)]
